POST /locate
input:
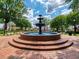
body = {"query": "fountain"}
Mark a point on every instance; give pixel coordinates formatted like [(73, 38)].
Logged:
[(41, 41)]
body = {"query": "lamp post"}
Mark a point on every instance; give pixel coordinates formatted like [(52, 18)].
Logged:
[(5, 26)]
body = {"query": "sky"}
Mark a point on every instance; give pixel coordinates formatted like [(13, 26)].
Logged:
[(47, 8)]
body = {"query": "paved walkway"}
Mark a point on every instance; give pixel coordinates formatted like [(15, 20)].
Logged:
[(8, 52)]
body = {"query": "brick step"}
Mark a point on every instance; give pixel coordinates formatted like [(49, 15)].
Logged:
[(40, 48), (40, 43)]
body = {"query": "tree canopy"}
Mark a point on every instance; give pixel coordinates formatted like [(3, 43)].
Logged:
[(11, 9), (23, 23), (75, 5), (58, 22), (64, 21)]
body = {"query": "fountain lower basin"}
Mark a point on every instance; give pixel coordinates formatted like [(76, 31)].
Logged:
[(45, 36)]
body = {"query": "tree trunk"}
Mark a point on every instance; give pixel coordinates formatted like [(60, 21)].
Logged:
[(57, 29), (5, 27), (74, 29), (25, 28), (21, 28)]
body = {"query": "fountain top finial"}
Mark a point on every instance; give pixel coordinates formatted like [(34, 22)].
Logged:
[(40, 15)]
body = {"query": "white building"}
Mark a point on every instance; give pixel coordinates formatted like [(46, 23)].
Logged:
[(1, 26)]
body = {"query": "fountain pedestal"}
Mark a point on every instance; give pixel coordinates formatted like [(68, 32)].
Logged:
[(42, 41)]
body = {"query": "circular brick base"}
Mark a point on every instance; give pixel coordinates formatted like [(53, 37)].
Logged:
[(40, 38)]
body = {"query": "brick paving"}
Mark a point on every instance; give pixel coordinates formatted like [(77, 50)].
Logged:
[(8, 52)]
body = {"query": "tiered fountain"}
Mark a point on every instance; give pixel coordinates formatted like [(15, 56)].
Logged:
[(41, 41)]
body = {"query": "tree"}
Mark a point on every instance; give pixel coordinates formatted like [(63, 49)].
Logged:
[(10, 10), (75, 5), (58, 23), (23, 23), (73, 19), (1, 20), (64, 21)]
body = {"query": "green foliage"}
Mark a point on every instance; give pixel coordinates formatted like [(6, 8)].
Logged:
[(23, 23), (11, 9), (75, 5), (64, 21), (73, 16), (58, 22), (1, 20)]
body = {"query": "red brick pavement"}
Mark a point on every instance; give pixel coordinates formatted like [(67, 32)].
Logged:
[(6, 50)]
